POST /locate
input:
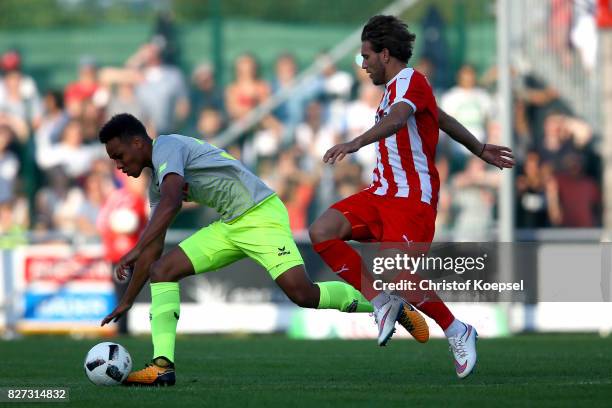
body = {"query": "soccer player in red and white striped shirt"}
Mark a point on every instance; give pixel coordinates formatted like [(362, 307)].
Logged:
[(400, 205)]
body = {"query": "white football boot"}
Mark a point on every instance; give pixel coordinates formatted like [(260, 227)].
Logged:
[(463, 347), (386, 316)]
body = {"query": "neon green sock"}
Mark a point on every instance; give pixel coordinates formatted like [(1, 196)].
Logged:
[(343, 297), (165, 310)]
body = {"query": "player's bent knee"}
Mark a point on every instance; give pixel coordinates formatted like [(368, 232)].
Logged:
[(159, 272), (302, 296), (319, 232), (303, 300)]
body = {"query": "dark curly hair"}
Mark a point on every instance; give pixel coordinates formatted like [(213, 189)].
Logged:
[(391, 33), (124, 126)]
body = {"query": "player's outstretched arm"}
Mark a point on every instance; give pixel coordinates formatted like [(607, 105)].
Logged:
[(387, 126), (139, 277), (498, 156)]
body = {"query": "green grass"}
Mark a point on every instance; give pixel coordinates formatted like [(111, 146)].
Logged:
[(540, 370)]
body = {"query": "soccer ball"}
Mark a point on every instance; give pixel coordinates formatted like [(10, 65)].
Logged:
[(107, 364)]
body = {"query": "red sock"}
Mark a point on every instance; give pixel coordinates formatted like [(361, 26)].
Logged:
[(347, 264), (427, 301)]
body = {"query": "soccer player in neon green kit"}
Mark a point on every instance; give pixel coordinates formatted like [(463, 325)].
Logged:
[(254, 223)]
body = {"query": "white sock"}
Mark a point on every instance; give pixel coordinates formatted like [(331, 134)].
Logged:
[(380, 300), (456, 328)]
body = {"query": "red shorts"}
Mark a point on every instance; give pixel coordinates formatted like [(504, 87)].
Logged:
[(376, 218)]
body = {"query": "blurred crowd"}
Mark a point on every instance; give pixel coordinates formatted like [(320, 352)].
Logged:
[(48, 142)]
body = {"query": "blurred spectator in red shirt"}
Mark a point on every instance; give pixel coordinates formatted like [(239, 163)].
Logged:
[(122, 217), (83, 89), (248, 90), (579, 194), (120, 221)]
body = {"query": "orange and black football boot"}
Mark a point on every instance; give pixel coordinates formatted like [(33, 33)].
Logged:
[(157, 373), (414, 323)]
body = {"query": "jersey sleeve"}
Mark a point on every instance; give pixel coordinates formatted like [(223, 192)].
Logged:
[(169, 156), (413, 90)]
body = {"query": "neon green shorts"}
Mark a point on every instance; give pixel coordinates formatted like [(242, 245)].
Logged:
[(262, 233)]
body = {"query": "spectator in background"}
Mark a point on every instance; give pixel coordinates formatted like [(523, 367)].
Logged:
[(290, 112), (118, 93), (19, 97), (559, 24), (248, 90), (347, 179), (474, 197), (314, 136), (97, 188), (120, 221), (162, 91), (579, 194), (20, 105), (91, 121), (358, 118), (209, 123), (336, 91), (13, 209), (123, 99), (58, 203), (538, 100), (83, 89), (563, 134), (13, 222), (9, 166), (54, 119), (295, 188), (205, 94), (426, 67), (537, 195), (471, 106), (443, 219), (584, 32), (71, 154), (266, 141)]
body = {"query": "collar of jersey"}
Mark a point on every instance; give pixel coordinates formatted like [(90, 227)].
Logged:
[(395, 77)]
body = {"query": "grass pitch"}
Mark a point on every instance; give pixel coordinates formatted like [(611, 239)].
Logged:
[(272, 371)]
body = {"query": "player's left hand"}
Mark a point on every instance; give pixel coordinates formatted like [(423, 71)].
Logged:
[(498, 156), (116, 314), (126, 263), (339, 151)]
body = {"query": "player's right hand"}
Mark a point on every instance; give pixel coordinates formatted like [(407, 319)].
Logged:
[(126, 263), (122, 273), (339, 151), (498, 156), (116, 314)]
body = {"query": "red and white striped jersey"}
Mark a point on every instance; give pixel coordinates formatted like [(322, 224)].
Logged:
[(406, 160)]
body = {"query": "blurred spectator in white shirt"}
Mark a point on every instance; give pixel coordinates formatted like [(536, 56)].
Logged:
[(162, 92), (58, 203), (359, 117), (20, 105), (314, 136), (337, 86), (70, 153), (54, 119), (474, 197), (470, 105)]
